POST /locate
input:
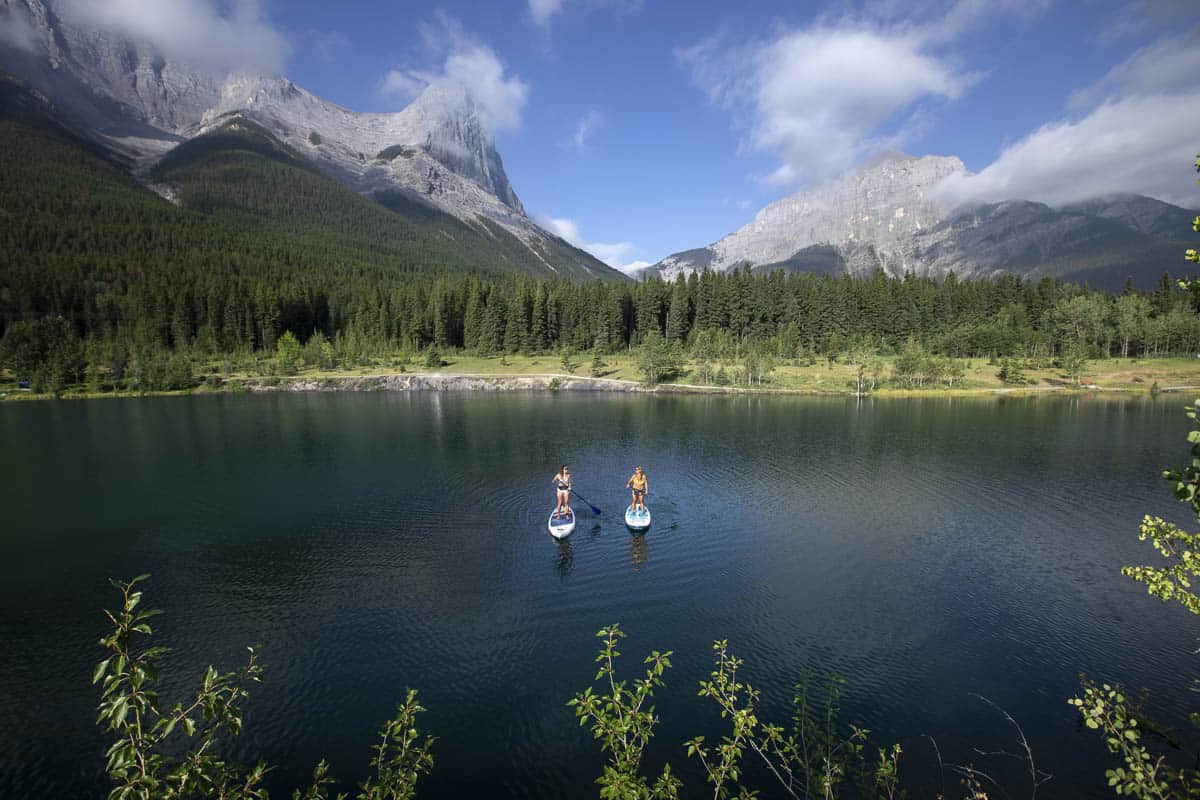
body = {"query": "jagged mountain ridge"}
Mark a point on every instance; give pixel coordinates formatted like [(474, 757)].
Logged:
[(889, 215), (437, 151), (243, 197), (438, 145)]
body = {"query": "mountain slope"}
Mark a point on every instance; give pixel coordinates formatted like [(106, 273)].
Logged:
[(240, 173), (887, 216), (1074, 244), (1143, 214), (238, 195), (140, 105)]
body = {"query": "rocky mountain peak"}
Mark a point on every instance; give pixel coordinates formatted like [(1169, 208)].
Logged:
[(125, 91), (457, 134), (445, 100), (872, 211), (139, 104), (143, 104), (889, 215)]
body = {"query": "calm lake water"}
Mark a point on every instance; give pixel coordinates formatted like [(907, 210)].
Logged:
[(927, 550)]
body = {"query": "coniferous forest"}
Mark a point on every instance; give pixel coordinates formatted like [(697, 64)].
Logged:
[(136, 327)]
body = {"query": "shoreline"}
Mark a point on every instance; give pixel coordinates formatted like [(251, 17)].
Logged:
[(557, 382)]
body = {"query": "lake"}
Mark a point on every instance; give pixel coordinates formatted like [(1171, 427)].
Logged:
[(928, 550)]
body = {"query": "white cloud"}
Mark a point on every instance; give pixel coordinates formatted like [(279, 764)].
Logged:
[(588, 124), (615, 254), (470, 64), (1169, 64), (825, 97), (634, 267), (1139, 145), (821, 98), (1134, 131), (403, 84), (1143, 16), (543, 10), (944, 25), (561, 227), (235, 35)]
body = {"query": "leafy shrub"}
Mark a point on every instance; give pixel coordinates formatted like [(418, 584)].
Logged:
[(169, 752)]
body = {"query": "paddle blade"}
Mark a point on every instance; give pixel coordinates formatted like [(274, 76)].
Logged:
[(595, 510)]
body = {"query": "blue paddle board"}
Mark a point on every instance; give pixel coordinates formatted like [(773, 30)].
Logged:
[(637, 520), (561, 525)]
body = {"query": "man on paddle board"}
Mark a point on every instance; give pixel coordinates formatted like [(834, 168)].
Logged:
[(639, 484), (562, 486)]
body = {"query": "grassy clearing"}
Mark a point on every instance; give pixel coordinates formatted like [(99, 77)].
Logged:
[(823, 376)]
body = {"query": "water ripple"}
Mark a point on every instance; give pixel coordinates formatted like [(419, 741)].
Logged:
[(925, 550)]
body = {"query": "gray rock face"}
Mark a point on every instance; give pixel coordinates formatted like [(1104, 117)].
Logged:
[(870, 217), (437, 150), (1101, 242), (438, 146), (887, 215), (879, 209), (1144, 214), (126, 96)]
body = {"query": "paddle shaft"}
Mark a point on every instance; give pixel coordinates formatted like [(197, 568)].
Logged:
[(595, 510)]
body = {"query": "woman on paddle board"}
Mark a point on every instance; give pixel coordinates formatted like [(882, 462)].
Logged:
[(562, 485), (639, 484)]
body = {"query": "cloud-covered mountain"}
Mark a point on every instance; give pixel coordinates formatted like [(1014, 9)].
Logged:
[(139, 104), (893, 214)]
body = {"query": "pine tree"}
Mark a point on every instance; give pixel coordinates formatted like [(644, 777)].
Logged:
[(679, 314), (516, 331), (288, 353), (537, 337), (597, 368)]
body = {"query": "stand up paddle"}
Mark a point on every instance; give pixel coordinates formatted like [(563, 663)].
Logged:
[(595, 510)]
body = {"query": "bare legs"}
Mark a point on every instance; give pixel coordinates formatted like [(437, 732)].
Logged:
[(564, 501)]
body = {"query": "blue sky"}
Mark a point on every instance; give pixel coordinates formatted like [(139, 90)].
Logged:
[(643, 127)]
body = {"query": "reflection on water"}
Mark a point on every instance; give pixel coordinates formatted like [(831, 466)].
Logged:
[(566, 557), (637, 549), (925, 549)]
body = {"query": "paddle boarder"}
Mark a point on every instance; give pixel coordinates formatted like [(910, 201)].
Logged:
[(638, 483), (562, 485)]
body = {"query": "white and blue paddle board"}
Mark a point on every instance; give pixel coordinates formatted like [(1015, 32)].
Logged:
[(637, 520), (561, 525)]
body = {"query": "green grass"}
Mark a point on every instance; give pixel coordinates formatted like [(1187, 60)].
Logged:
[(1115, 373), (1126, 375)]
